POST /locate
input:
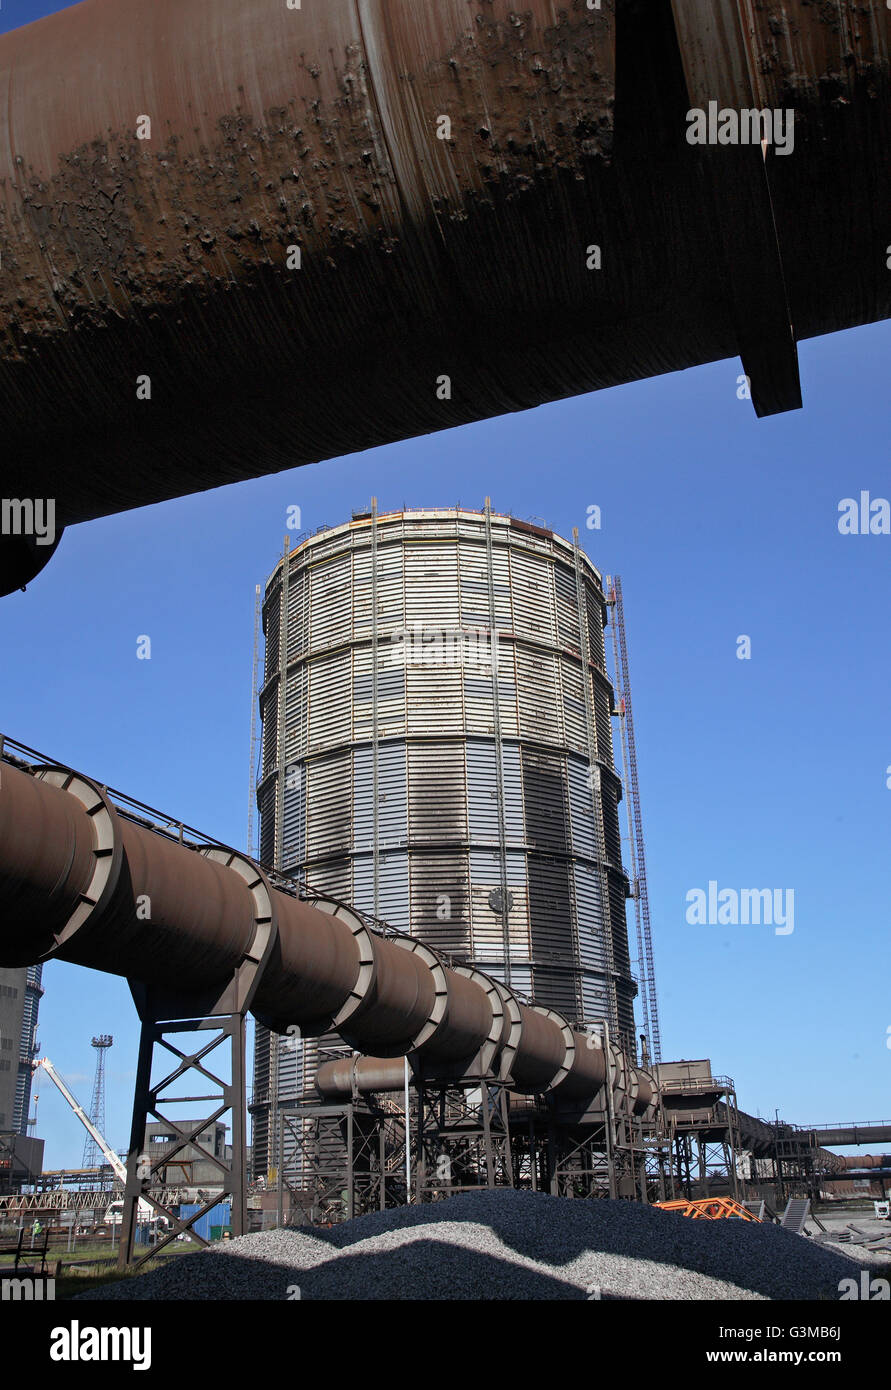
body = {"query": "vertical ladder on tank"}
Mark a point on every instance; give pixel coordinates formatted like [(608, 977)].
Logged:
[(596, 787), (637, 854)]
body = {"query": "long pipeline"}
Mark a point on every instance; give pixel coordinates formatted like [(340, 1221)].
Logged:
[(82, 882), (238, 236)]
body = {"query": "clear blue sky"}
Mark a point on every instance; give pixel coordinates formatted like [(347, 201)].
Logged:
[(762, 773)]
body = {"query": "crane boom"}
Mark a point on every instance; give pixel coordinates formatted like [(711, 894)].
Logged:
[(108, 1152)]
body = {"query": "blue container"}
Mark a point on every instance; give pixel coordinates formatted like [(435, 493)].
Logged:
[(220, 1215)]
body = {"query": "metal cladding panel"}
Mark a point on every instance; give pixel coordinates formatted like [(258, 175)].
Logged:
[(431, 584), (482, 792), (595, 629), (474, 585), (361, 601), (296, 714), (479, 709), (514, 815), (434, 703), (390, 598), (552, 930), (561, 989), (394, 901), (440, 912), (621, 957), (546, 802), (566, 600), (595, 998), (486, 924), (330, 693), (520, 979), (581, 809), (589, 918), (625, 995), (390, 695), (602, 724), (328, 805), (532, 597), (437, 801), (330, 604), (269, 710), (574, 708), (392, 887), (290, 1066), (540, 714), (294, 831), (271, 628), (611, 833), (266, 806), (392, 796), (334, 879), (298, 613)]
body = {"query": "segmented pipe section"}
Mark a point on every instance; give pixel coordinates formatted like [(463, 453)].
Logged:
[(80, 882)]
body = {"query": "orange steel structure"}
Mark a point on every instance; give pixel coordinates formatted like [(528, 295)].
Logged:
[(710, 1209)]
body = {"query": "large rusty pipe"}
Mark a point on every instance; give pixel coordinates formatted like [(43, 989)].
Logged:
[(84, 883), (865, 1160), (237, 237)]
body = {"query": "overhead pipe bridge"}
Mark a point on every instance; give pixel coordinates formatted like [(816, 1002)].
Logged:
[(82, 882), (237, 237)]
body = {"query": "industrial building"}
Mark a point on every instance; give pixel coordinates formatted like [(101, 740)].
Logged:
[(438, 752), (21, 1157)]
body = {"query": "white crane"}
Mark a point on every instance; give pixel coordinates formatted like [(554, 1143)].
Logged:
[(108, 1152), (115, 1211)]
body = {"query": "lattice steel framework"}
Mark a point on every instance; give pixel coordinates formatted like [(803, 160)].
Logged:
[(636, 851), (92, 1157)]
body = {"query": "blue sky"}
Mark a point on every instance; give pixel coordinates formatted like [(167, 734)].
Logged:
[(769, 772)]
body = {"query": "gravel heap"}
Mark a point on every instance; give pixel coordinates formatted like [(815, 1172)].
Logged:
[(504, 1244)]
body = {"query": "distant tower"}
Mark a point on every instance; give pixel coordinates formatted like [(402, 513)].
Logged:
[(92, 1157)]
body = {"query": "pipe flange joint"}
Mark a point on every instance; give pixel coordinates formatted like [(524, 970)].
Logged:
[(367, 972), (439, 1012), (568, 1038), (489, 1049), (253, 963), (512, 1030), (107, 848)]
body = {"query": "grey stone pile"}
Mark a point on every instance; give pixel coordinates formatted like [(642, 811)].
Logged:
[(502, 1244)]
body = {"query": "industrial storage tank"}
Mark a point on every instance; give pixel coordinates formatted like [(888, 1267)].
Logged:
[(395, 779)]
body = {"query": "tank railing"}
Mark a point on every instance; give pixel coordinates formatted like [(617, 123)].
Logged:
[(697, 1085), (850, 1124), (171, 827)]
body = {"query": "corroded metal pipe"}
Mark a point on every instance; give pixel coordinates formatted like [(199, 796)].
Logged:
[(84, 883), (237, 237)]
